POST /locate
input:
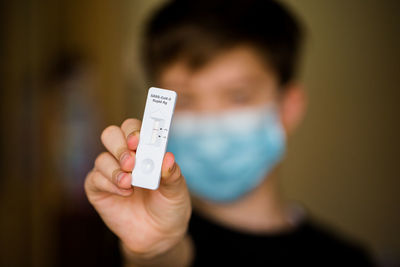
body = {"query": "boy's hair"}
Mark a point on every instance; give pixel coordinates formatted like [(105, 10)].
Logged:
[(196, 30)]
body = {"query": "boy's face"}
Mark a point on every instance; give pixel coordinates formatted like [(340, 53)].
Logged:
[(233, 79)]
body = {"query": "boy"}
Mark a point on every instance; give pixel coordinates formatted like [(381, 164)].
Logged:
[(233, 65)]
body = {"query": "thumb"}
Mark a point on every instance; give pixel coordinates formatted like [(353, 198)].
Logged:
[(172, 182)]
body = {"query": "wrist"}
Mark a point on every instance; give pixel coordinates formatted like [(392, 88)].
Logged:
[(161, 249), (180, 252)]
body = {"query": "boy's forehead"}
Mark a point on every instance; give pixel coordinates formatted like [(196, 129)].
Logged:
[(241, 64)]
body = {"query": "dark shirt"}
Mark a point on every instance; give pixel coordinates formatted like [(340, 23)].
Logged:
[(86, 241), (308, 244)]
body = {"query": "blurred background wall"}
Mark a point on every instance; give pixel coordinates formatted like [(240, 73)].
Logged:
[(70, 68)]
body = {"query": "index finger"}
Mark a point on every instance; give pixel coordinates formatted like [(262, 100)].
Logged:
[(131, 130), (114, 140)]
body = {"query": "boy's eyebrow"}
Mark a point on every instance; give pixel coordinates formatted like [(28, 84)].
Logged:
[(245, 80), (236, 89)]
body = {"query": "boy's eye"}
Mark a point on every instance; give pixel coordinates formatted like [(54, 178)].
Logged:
[(184, 102), (240, 97)]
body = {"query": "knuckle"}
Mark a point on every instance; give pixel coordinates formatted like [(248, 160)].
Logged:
[(99, 181), (96, 182), (87, 189), (131, 121), (95, 176), (177, 173), (88, 181), (108, 131), (100, 158), (174, 174)]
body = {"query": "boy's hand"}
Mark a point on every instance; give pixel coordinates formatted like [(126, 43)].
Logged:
[(147, 222)]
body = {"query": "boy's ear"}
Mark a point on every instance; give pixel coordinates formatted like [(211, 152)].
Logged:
[(293, 106)]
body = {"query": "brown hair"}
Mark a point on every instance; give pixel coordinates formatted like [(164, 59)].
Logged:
[(195, 31)]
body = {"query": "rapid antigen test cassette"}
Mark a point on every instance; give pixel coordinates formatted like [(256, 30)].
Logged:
[(160, 105)]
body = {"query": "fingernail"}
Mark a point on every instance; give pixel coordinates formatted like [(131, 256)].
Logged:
[(135, 133), (119, 176), (172, 168), (124, 157)]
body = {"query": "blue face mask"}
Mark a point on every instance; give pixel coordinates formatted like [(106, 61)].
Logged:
[(225, 155)]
